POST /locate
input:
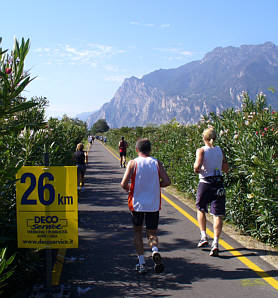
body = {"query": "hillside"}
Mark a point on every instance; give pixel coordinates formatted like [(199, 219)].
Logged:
[(199, 87)]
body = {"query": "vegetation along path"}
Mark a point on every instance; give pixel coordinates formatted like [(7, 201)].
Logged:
[(104, 263)]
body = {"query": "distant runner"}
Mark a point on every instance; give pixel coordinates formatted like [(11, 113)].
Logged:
[(147, 176), (209, 164), (80, 159), (122, 150)]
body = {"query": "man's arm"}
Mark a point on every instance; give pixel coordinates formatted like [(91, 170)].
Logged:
[(127, 175), (199, 160), (164, 178)]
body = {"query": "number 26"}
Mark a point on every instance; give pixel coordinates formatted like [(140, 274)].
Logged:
[(41, 188)]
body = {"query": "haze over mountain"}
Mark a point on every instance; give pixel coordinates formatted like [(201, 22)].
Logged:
[(83, 116), (199, 87)]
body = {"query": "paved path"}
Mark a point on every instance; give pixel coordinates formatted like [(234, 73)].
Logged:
[(104, 264)]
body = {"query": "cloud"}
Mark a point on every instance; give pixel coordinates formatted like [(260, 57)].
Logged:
[(165, 25), (111, 68), (92, 54)]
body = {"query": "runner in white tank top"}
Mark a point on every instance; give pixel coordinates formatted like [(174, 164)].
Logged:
[(144, 195), (209, 164), (147, 176)]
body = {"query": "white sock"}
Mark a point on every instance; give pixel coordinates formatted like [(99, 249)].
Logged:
[(215, 240), (141, 259), (203, 234), (154, 249)]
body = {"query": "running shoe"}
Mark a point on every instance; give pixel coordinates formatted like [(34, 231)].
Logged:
[(203, 242), (158, 264), (141, 269), (214, 250)]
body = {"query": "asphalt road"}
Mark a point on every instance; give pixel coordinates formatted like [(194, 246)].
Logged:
[(104, 263)]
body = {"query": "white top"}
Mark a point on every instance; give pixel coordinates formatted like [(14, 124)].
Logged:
[(145, 186), (213, 158)]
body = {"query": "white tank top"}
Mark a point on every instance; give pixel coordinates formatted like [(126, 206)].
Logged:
[(213, 158), (145, 193)]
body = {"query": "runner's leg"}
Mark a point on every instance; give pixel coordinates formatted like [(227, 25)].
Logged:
[(201, 216), (217, 227), (152, 238), (138, 240)]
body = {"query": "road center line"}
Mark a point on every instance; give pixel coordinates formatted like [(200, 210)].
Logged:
[(260, 272)]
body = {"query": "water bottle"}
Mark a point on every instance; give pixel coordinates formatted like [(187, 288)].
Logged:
[(216, 172)]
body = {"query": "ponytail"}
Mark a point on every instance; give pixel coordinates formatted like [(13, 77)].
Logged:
[(211, 141)]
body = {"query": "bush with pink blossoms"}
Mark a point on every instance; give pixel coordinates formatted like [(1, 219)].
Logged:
[(252, 151)]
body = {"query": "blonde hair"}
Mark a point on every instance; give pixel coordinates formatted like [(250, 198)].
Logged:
[(79, 147), (209, 134)]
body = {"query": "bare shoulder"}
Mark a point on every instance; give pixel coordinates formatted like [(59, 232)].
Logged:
[(200, 150)]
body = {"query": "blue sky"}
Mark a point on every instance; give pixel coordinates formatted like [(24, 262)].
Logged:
[(81, 51)]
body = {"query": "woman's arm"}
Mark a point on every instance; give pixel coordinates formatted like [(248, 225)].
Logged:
[(86, 157), (225, 165), (199, 160)]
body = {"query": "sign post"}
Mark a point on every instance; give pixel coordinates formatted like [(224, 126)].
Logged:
[(48, 254), (47, 209)]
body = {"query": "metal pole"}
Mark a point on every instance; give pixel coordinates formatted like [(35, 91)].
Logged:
[(48, 255)]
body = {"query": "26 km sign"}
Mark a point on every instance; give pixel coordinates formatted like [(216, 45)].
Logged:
[(47, 204)]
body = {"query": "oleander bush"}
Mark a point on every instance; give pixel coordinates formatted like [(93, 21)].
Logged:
[(249, 138), (25, 135)]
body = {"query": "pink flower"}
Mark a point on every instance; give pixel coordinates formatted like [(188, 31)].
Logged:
[(273, 112), (265, 129), (263, 134), (8, 70), (257, 132)]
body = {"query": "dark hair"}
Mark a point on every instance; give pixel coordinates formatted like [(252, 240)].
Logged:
[(144, 146), (122, 138)]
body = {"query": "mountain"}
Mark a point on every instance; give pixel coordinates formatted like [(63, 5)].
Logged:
[(199, 87), (83, 116)]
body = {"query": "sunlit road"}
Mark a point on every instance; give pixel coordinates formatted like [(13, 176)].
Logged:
[(104, 264)]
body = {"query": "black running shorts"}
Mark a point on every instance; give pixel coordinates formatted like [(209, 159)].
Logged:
[(151, 219), (212, 194)]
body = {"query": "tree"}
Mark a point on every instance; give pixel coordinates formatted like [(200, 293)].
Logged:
[(99, 126)]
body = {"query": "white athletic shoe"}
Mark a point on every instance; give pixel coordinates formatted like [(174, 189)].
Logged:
[(214, 250), (141, 269), (158, 264)]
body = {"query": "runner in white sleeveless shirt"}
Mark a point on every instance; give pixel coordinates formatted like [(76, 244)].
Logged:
[(210, 163), (147, 176)]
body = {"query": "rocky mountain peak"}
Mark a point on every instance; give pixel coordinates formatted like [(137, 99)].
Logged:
[(185, 93)]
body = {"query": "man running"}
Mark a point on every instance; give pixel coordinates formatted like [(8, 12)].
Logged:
[(122, 150), (147, 176)]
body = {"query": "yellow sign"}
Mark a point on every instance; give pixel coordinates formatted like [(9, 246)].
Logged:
[(47, 207)]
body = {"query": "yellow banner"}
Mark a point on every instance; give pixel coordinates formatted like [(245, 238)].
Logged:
[(47, 207)]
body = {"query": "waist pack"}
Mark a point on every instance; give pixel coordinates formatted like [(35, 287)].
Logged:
[(214, 180)]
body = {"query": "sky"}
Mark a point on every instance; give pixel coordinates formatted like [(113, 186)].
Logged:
[(81, 51)]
